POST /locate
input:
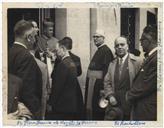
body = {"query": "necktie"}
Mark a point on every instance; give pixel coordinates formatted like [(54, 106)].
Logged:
[(120, 67)]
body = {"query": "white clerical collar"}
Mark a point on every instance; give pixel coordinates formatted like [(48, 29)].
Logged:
[(123, 58), (66, 55), (101, 45), (152, 51), (20, 44)]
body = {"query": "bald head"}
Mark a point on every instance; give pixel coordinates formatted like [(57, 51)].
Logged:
[(121, 46), (120, 39)]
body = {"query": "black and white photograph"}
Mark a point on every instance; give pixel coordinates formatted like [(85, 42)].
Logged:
[(96, 63)]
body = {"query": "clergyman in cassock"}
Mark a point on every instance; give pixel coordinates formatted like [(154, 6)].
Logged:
[(22, 64), (45, 46), (46, 40), (66, 96), (95, 76)]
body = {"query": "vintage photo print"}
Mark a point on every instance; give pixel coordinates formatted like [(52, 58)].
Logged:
[(82, 64)]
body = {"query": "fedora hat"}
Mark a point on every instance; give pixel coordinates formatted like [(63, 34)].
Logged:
[(113, 113)]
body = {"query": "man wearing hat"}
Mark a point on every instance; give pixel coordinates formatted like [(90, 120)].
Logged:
[(118, 79), (95, 75)]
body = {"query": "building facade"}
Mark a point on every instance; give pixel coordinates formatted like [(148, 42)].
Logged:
[(81, 23)]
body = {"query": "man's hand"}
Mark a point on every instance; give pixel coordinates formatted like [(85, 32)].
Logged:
[(49, 53), (112, 100), (49, 108)]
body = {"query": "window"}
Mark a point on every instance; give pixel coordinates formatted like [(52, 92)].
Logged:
[(128, 26)]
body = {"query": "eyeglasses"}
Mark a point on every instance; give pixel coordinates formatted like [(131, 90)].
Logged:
[(141, 40), (145, 37), (97, 36)]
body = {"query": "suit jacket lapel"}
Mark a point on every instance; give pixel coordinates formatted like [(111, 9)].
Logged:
[(149, 58), (113, 67), (145, 62), (131, 70)]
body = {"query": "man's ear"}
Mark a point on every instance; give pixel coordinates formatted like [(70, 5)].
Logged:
[(29, 38), (26, 36), (128, 48)]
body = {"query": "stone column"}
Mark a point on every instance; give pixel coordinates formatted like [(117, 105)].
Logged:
[(60, 23), (78, 28)]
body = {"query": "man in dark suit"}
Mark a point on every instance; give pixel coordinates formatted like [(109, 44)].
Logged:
[(66, 96), (95, 76), (75, 58), (14, 85), (119, 77), (22, 64), (16, 109), (143, 94)]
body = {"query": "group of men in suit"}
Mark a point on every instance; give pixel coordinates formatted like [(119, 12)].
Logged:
[(31, 63), (44, 72), (123, 88)]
